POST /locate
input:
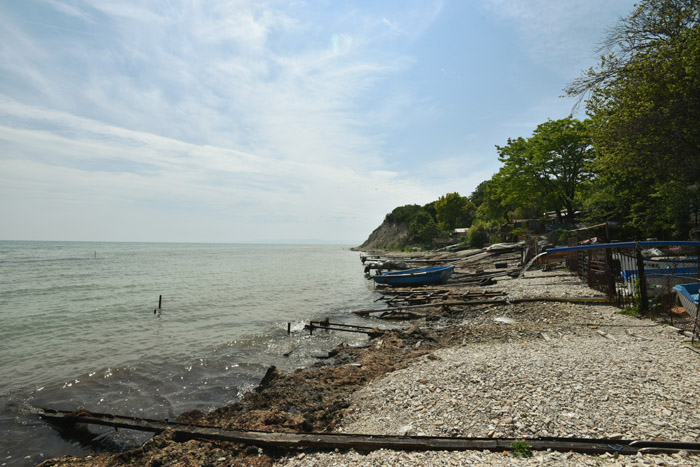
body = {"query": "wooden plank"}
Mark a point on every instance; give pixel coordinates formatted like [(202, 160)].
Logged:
[(592, 300), (427, 305)]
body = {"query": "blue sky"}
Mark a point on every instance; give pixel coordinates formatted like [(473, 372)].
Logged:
[(263, 121)]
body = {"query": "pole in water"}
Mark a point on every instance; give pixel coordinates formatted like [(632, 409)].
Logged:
[(289, 328), (160, 301)]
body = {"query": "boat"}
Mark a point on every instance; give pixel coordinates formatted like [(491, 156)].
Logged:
[(659, 280), (688, 296), (415, 277)]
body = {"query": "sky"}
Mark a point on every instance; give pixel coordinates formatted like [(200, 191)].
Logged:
[(269, 121)]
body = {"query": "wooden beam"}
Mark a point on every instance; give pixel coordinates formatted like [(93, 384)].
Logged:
[(585, 300)]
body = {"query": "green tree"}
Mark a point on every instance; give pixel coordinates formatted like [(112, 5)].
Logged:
[(423, 228), (644, 104), (479, 194), (547, 170), (498, 202), (403, 214), (454, 211)]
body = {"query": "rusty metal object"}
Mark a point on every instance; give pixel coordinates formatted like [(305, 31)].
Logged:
[(361, 442), (328, 326)]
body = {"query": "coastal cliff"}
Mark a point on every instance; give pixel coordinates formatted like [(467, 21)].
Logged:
[(388, 236)]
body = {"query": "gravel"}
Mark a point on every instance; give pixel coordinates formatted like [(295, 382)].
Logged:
[(603, 375)]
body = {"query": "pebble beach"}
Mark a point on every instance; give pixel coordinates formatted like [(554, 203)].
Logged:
[(591, 373)]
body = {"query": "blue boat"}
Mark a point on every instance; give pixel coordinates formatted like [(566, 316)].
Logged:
[(688, 295), (659, 280), (630, 274), (415, 277)]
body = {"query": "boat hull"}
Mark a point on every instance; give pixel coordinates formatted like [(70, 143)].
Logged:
[(688, 296), (415, 277), (660, 280)]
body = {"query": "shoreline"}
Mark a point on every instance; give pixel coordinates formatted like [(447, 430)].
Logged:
[(450, 369)]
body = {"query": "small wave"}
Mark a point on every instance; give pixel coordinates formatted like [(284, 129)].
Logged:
[(48, 260)]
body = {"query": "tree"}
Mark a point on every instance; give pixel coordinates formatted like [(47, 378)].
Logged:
[(454, 211), (644, 104), (479, 194), (423, 228), (547, 170), (499, 201), (403, 214)]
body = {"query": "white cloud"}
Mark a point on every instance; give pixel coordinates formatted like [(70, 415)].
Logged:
[(83, 165)]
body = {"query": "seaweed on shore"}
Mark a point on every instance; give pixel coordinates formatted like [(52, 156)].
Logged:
[(316, 399), (306, 400)]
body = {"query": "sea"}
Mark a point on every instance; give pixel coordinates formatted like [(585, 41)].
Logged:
[(80, 328)]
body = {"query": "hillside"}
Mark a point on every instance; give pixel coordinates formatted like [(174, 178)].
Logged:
[(388, 236)]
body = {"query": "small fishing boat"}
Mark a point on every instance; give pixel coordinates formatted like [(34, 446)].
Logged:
[(688, 296), (415, 277)]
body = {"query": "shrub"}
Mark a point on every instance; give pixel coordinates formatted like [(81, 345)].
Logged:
[(477, 235)]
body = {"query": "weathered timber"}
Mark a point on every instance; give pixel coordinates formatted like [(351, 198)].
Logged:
[(478, 293), (419, 297), (592, 300), (360, 442), (427, 305)]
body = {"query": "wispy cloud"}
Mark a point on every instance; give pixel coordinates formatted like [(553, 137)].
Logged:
[(558, 33), (193, 102), (59, 161)]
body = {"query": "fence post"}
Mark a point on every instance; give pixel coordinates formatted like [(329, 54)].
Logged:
[(644, 305), (610, 274)]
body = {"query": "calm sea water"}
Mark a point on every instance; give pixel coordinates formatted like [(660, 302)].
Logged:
[(79, 330)]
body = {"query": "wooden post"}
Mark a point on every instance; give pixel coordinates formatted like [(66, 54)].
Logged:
[(289, 328), (641, 277), (160, 301)]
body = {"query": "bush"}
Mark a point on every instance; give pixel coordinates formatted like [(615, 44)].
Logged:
[(477, 235), (495, 238)]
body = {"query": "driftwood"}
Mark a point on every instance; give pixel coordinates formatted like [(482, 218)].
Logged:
[(420, 297), (360, 442), (427, 305), (584, 300)]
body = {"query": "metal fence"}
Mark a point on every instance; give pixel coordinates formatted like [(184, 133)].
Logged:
[(633, 276)]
